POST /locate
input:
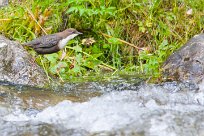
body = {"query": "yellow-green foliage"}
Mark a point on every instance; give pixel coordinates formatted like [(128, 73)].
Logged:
[(158, 27)]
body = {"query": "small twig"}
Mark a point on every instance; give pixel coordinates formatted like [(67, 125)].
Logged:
[(114, 72), (106, 68), (36, 20), (105, 35), (5, 19)]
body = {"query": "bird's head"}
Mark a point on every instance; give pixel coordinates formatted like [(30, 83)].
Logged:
[(71, 32), (67, 35)]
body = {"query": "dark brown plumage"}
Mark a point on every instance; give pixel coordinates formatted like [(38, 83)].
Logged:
[(52, 43)]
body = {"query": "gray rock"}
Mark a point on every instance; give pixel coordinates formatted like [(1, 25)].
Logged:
[(17, 67), (3, 2), (187, 64)]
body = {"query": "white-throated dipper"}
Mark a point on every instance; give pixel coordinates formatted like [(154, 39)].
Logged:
[(52, 43)]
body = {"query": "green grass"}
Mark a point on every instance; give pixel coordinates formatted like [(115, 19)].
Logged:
[(159, 27)]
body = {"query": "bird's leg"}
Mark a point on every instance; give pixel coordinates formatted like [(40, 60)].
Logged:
[(63, 54)]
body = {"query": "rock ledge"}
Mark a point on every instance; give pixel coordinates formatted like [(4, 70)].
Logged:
[(16, 65)]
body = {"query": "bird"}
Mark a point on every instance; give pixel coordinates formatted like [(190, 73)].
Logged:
[(52, 43)]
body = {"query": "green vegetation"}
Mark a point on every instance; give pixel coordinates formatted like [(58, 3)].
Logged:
[(131, 36)]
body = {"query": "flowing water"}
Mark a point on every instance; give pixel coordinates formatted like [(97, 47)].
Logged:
[(121, 107)]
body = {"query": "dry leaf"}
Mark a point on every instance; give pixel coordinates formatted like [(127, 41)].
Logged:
[(88, 41), (189, 12)]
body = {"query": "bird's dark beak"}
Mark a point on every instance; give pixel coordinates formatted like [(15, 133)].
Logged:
[(79, 32)]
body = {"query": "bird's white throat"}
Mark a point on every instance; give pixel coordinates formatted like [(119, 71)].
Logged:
[(62, 43)]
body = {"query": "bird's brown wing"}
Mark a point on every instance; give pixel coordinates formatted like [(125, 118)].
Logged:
[(47, 41), (32, 43)]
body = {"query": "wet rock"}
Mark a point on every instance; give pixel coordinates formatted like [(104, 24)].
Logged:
[(17, 67), (187, 64)]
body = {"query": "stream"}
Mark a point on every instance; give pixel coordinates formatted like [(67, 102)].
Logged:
[(119, 107)]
